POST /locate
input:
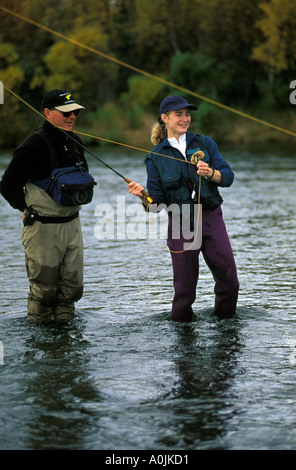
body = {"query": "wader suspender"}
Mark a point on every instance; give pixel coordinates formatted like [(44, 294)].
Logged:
[(31, 214), (52, 153)]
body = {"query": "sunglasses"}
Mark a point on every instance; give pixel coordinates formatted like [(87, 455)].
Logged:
[(68, 113)]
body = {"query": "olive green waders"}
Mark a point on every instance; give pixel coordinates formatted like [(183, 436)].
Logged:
[(54, 259)]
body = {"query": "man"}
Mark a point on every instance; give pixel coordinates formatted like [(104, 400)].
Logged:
[(51, 232)]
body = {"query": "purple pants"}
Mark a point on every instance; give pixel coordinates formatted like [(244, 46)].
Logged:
[(217, 253)]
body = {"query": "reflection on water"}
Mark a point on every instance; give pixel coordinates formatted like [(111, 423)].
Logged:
[(59, 388), (205, 361), (122, 375)]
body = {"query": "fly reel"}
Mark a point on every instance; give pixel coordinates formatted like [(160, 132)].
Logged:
[(197, 156)]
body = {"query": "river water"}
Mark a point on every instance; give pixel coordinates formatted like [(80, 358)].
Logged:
[(122, 375)]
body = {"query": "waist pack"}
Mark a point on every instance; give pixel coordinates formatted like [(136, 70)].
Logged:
[(70, 186)]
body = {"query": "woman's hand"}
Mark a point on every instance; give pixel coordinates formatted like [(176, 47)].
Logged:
[(135, 189), (203, 169)]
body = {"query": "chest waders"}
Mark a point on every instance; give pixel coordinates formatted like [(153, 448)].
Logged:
[(54, 257)]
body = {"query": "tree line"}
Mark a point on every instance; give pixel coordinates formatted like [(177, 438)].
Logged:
[(238, 53)]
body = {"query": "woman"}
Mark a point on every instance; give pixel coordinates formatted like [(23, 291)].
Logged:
[(175, 181)]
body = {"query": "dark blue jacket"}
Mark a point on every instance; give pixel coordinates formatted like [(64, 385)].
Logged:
[(172, 181)]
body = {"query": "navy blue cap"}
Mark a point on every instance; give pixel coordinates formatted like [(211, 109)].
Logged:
[(173, 103)]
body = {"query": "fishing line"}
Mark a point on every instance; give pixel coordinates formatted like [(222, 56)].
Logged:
[(127, 180), (95, 136), (196, 231), (194, 159), (143, 72), (64, 131)]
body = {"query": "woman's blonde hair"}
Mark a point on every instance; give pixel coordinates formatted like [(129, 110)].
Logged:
[(158, 132)]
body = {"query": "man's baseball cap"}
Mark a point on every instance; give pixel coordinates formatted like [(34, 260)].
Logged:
[(61, 100), (174, 103)]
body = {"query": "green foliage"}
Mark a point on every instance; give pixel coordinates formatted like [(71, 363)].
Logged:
[(123, 122), (142, 92), (64, 68), (10, 112), (75, 68), (194, 72), (99, 122), (205, 119), (239, 53), (8, 54)]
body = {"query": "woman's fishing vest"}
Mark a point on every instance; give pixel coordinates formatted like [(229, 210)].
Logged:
[(177, 187)]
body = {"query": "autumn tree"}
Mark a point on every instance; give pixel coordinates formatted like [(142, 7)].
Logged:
[(276, 50), (229, 51)]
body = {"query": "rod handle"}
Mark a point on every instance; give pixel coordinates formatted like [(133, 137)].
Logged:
[(145, 194)]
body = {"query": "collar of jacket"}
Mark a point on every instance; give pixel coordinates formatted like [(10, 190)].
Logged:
[(56, 133), (189, 137)]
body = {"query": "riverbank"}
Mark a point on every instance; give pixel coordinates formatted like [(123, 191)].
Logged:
[(242, 131), (114, 125), (133, 129)]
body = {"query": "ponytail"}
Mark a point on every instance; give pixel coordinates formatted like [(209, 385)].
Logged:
[(158, 132)]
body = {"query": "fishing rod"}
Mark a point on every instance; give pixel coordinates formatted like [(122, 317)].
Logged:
[(127, 180), (194, 161), (195, 158)]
